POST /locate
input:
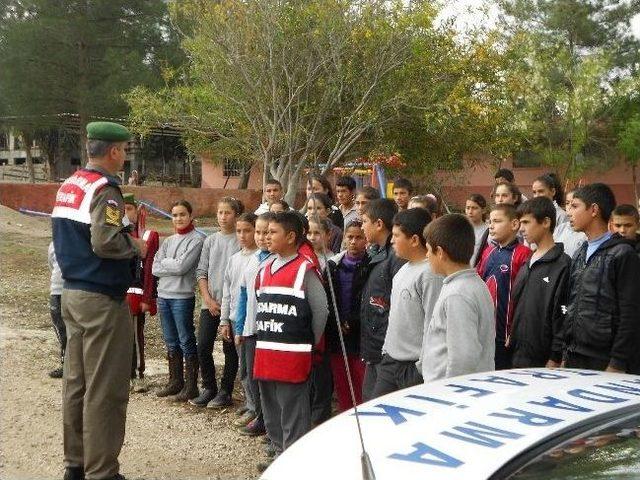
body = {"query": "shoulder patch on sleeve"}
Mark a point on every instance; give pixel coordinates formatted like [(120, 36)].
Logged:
[(112, 215)]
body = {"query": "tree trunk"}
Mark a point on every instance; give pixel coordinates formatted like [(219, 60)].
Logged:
[(634, 179), (292, 188), (26, 138), (243, 183)]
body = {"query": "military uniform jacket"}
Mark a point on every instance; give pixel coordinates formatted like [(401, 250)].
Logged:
[(283, 319), (93, 251)]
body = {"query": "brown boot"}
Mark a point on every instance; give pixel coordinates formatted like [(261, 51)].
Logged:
[(176, 376), (190, 389)]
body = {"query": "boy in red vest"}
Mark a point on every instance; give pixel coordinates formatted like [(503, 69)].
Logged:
[(142, 294), (291, 315)]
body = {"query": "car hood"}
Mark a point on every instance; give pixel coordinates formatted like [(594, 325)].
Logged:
[(457, 428)]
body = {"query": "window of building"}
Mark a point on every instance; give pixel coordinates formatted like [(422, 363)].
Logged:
[(17, 143), (19, 161), (232, 168), (4, 141)]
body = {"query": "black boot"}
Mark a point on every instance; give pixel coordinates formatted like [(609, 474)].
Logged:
[(176, 375), (73, 473), (190, 389), (206, 395)]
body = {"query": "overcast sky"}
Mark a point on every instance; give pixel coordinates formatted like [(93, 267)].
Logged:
[(460, 9)]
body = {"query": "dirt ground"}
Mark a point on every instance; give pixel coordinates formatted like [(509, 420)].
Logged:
[(163, 440)]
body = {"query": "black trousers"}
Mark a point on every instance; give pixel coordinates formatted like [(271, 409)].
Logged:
[(58, 324), (207, 332), (369, 382), (394, 375), (321, 390), (503, 356)]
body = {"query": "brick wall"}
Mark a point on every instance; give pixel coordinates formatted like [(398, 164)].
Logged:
[(41, 196)]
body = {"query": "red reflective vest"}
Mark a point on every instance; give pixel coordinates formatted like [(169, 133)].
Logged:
[(283, 320)]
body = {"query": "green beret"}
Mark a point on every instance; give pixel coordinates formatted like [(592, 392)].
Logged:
[(107, 131), (129, 198)]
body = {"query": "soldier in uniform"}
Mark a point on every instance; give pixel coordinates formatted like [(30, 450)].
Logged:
[(95, 256)]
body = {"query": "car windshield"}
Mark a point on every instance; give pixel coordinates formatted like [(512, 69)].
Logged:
[(611, 452)]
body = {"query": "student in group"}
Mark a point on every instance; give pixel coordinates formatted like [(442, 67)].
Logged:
[(625, 220), (509, 193), (318, 235), (364, 195), (245, 334), (216, 252), (475, 209), (237, 264), (382, 265), (347, 271), (565, 234), (55, 309), (503, 193), (428, 202), (175, 266), (279, 206), (293, 322), (540, 290), (402, 191), (499, 265), (504, 175), (415, 289), (460, 337), (319, 207), (602, 325), (272, 193), (319, 184), (548, 185), (142, 294), (345, 196)]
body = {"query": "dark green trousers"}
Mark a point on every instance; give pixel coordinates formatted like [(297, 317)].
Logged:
[(95, 390)]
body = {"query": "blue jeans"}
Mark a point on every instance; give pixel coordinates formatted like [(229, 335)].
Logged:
[(178, 330)]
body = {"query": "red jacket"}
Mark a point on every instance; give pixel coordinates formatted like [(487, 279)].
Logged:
[(498, 268), (144, 289)]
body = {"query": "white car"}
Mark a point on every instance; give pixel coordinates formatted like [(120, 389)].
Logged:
[(520, 424)]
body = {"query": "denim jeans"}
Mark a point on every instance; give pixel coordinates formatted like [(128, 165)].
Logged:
[(178, 330)]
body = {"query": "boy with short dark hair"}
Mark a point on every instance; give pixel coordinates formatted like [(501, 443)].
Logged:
[(415, 289), (602, 325), (498, 267), (383, 264), (540, 290), (460, 337), (291, 317), (625, 220), (345, 196), (364, 195), (272, 193), (402, 191)]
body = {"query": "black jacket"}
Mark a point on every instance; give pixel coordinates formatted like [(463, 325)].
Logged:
[(352, 319), (540, 296), (383, 264), (603, 315)]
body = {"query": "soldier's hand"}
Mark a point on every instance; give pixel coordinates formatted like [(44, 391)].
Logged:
[(141, 245), (238, 340), (144, 307)]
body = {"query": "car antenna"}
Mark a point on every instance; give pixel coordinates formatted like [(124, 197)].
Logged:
[(365, 460)]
